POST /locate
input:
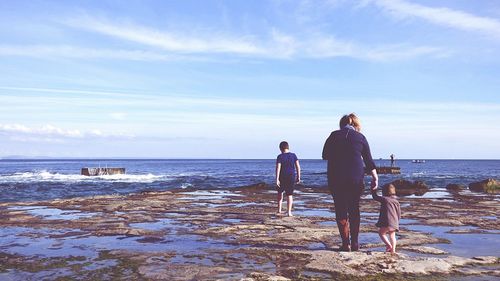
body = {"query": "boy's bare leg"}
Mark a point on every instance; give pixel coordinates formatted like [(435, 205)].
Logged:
[(392, 237), (382, 233), (280, 201), (289, 202)]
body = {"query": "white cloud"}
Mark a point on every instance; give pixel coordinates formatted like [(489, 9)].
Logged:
[(441, 16), (118, 115), (50, 133), (274, 45), (330, 47), (66, 51), (207, 42)]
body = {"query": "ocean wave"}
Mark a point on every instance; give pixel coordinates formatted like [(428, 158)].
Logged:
[(186, 185), (45, 176)]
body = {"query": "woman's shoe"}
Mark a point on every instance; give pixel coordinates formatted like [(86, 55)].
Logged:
[(345, 248)]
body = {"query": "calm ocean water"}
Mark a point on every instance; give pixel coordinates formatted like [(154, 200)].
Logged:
[(28, 180)]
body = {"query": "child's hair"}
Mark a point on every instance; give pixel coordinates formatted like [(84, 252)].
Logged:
[(350, 119), (284, 145), (388, 190)]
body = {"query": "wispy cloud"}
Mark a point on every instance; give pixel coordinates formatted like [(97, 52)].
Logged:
[(50, 133), (331, 47), (207, 42), (66, 51), (156, 102), (273, 45), (118, 115), (441, 16)]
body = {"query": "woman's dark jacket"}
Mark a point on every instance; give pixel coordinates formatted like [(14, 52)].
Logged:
[(346, 150)]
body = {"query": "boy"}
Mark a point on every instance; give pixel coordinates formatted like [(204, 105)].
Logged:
[(390, 214), (286, 165)]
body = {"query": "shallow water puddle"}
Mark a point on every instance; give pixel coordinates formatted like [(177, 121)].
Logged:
[(157, 225), (53, 213), (239, 205), (39, 242), (231, 221), (208, 195), (462, 244), (315, 213), (433, 194)]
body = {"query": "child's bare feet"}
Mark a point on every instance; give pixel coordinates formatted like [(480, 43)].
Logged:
[(388, 249), (290, 215)]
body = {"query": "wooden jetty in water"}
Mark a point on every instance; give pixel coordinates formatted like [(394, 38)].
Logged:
[(388, 170), (102, 171)]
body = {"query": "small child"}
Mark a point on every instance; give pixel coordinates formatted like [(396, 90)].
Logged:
[(286, 165), (390, 214)]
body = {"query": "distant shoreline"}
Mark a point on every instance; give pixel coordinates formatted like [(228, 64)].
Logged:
[(234, 159)]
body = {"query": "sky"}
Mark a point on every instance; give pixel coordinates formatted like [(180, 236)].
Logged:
[(231, 79)]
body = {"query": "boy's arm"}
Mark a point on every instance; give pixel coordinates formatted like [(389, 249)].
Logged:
[(278, 170), (297, 166)]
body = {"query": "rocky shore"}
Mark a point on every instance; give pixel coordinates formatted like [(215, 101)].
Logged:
[(236, 235)]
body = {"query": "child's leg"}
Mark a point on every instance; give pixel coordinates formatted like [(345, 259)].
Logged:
[(289, 203), (382, 233), (392, 237), (280, 201)]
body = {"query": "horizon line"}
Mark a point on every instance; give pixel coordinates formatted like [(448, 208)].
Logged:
[(207, 158)]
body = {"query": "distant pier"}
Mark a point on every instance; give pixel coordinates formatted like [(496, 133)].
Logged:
[(102, 171)]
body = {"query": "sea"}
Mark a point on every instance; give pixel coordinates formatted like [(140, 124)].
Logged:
[(34, 180)]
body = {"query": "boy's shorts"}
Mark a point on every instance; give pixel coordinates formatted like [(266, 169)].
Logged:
[(287, 184)]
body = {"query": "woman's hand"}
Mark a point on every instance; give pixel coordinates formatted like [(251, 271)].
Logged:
[(374, 182), (278, 183)]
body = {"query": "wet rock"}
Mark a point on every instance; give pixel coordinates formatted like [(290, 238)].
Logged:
[(487, 186), (228, 237), (487, 259), (370, 263), (257, 186), (455, 187), (444, 221), (166, 271), (405, 187), (425, 250), (258, 276)]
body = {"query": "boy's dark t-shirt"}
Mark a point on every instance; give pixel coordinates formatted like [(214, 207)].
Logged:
[(287, 161)]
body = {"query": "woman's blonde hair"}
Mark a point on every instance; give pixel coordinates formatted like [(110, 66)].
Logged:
[(350, 119)]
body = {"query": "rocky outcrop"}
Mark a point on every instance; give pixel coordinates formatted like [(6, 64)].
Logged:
[(378, 262), (488, 186), (405, 187), (455, 187), (236, 235), (256, 186)]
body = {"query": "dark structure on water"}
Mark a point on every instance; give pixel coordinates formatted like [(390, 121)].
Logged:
[(388, 170)]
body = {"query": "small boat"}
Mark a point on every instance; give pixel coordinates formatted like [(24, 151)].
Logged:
[(418, 161), (102, 171)]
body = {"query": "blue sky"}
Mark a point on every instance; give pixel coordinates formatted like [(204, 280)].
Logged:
[(231, 79)]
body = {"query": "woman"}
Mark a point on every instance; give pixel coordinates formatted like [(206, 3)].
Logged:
[(346, 150)]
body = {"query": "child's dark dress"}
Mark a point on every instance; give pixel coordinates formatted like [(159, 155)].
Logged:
[(390, 211)]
